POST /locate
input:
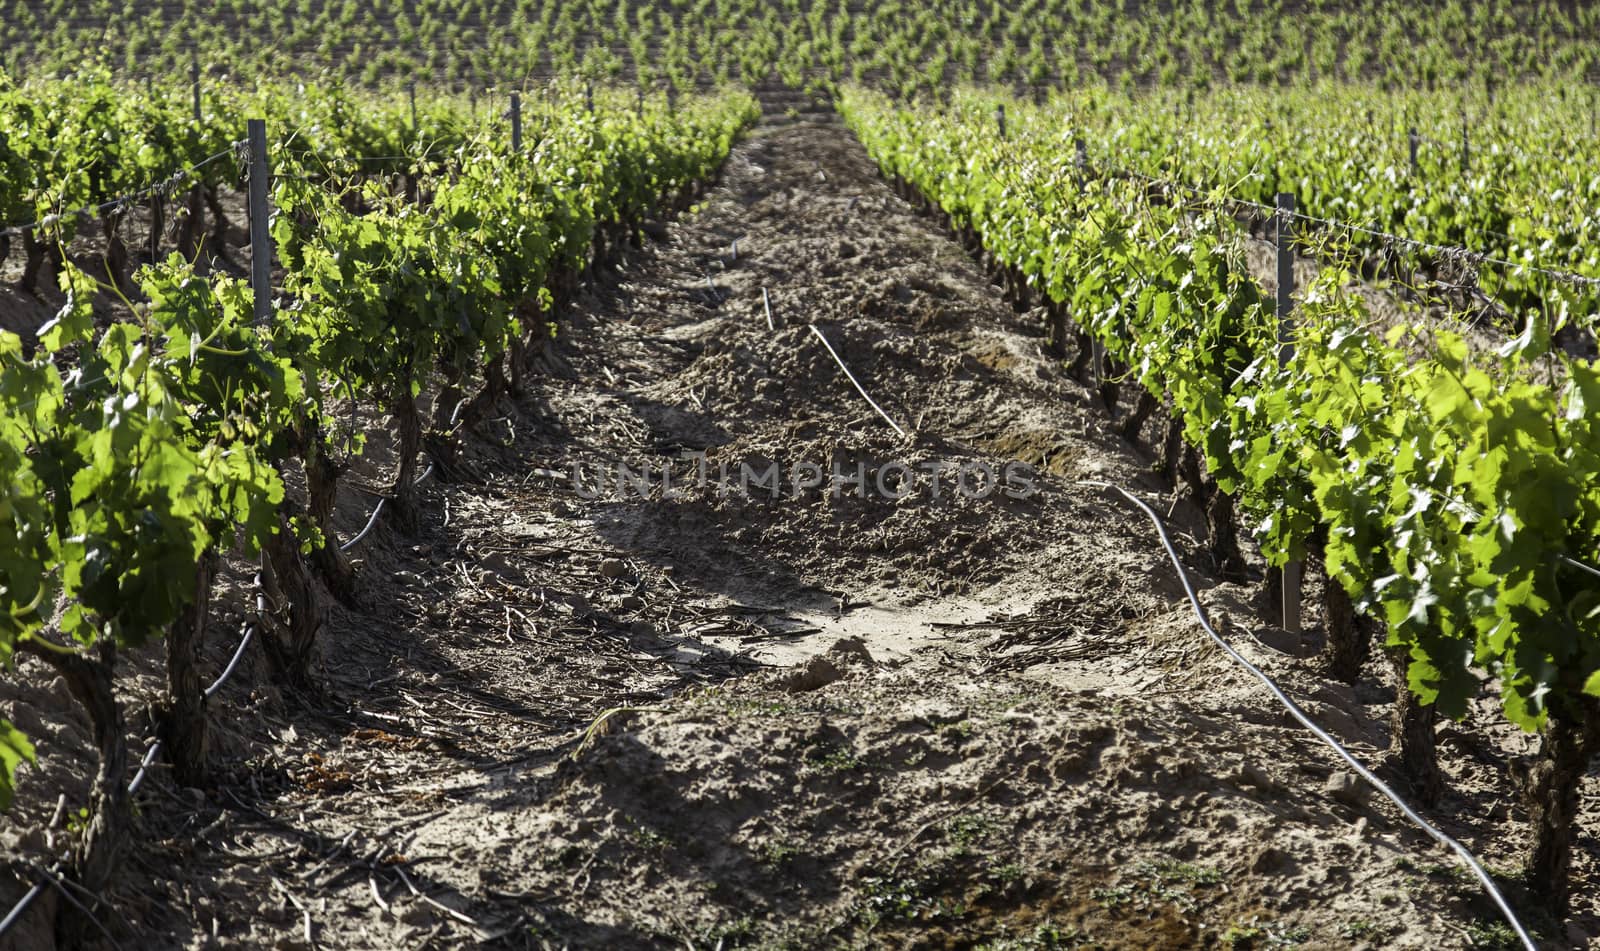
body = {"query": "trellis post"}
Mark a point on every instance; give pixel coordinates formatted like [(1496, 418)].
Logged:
[(260, 211), (1293, 570)]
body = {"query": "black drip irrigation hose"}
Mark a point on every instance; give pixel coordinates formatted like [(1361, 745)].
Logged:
[(1432, 831), (377, 510), (1321, 734), (28, 897)]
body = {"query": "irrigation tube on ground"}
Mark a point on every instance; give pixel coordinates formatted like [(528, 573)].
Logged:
[(248, 632), (377, 510), (28, 897), (854, 382), (20, 907), (371, 521), (1321, 734), (244, 642)]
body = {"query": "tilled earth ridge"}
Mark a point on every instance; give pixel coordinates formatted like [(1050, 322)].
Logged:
[(568, 716)]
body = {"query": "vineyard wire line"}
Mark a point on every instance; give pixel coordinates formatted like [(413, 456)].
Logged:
[(1456, 251), (161, 187)]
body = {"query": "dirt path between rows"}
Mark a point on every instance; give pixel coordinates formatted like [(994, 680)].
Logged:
[(920, 717)]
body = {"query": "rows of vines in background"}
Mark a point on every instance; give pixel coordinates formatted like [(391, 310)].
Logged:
[(87, 138), (908, 46), (1513, 173), (1441, 487), (133, 453)]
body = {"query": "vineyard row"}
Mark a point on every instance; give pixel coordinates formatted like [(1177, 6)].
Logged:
[(1448, 493), (139, 453)]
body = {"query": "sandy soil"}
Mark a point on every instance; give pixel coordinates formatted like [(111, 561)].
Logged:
[(723, 719)]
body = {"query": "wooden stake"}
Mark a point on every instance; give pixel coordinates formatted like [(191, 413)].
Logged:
[(260, 210), (1285, 217)]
